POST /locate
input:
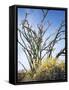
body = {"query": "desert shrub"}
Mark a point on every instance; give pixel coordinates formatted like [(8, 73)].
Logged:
[(28, 76), (51, 69), (25, 76)]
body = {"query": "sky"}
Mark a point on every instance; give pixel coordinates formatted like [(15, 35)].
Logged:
[(35, 15)]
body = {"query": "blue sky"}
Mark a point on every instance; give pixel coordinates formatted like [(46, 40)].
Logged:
[(35, 15)]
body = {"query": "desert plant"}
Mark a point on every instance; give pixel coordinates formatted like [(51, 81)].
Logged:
[(32, 42), (51, 69)]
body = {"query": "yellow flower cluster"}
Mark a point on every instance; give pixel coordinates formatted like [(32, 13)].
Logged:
[(49, 68)]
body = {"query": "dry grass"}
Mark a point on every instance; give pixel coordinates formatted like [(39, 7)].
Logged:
[(50, 69)]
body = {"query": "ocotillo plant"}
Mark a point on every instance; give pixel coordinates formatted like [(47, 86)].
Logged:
[(32, 42)]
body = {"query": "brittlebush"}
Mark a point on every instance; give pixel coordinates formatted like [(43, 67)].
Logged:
[(50, 69)]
